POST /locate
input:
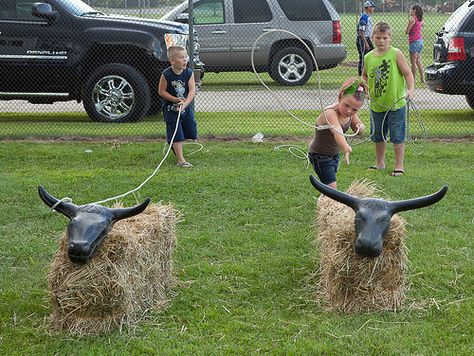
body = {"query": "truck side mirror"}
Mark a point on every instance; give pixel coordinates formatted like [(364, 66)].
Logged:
[(43, 10)]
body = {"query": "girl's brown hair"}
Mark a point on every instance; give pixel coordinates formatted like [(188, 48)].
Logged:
[(418, 12)]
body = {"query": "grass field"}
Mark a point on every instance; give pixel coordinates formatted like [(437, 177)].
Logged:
[(244, 253), (438, 123)]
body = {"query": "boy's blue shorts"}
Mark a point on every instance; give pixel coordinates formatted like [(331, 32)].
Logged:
[(394, 121), (187, 128), (416, 46), (324, 166)]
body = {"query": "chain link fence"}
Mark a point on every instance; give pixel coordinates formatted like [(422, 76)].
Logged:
[(71, 68)]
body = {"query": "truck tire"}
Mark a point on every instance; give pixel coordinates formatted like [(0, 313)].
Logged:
[(291, 66), (116, 92), (155, 106), (470, 100)]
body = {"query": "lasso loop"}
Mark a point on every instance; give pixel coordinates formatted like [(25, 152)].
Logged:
[(322, 127)]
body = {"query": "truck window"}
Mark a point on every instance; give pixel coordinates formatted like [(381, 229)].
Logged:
[(23, 10), (8, 10)]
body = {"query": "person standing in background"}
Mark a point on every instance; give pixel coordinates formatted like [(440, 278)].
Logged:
[(415, 40), (391, 84), (364, 33)]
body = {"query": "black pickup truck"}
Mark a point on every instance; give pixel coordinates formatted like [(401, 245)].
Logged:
[(59, 50)]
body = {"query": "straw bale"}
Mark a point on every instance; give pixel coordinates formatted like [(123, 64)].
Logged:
[(349, 283), (131, 273)]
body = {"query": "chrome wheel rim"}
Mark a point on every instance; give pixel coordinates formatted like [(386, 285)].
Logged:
[(113, 97), (292, 68)]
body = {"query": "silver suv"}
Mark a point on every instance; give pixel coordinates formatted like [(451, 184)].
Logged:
[(228, 28)]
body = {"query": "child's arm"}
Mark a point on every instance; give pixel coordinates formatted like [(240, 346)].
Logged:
[(364, 74), (411, 22), (406, 71), (162, 86), (191, 91), (357, 125), (331, 119)]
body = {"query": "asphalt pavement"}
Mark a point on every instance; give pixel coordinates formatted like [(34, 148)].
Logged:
[(255, 100)]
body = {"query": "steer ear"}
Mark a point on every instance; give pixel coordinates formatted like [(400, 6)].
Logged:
[(65, 208), (416, 203), (123, 213), (335, 194)]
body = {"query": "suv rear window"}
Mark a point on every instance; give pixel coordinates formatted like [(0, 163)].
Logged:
[(305, 10), (256, 11)]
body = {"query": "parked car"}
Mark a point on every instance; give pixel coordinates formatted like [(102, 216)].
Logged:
[(453, 55), (227, 30), (58, 50)]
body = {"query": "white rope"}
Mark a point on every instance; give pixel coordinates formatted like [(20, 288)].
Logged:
[(322, 127), (156, 169), (301, 154), (65, 199), (188, 143)]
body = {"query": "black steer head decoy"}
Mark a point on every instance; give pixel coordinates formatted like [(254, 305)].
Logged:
[(89, 224), (373, 215)]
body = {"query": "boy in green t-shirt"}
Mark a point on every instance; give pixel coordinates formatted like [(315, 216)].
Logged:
[(386, 70)]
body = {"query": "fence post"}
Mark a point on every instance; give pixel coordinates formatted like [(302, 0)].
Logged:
[(191, 38)]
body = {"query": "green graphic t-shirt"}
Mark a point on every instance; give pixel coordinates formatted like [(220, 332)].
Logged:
[(386, 82)]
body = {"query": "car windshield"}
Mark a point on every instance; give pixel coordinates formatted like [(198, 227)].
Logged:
[(78, 8), (453, 22), (171, 15)]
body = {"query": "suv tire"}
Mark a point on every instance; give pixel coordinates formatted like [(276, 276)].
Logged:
[(116, 93), (291, 66), (470, 100)]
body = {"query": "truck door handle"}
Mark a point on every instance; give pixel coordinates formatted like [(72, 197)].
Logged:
[(218, 32)]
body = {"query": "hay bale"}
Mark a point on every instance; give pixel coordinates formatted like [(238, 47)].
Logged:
[(350, 283), (131, 273)]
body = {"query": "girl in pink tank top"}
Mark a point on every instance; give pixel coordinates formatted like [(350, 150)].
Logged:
[(415, 40)]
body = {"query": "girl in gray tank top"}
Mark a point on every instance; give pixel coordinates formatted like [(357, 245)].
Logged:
[(326, 144)]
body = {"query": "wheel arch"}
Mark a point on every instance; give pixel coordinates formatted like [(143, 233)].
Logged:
[(137, 57), (290, 42)]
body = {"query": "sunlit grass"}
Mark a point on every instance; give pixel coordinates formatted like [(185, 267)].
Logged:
[(244, 252)]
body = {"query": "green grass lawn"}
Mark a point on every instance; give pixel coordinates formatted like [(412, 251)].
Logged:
[(244, 251), (438, 123)]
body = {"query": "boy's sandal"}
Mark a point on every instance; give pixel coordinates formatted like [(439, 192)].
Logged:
[(375, 168), (184, 165), (397, 173)]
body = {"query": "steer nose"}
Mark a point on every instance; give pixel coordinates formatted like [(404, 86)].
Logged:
[(366, 248), (78, 250)]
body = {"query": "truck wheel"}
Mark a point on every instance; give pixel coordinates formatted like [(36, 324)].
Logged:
[(291, 66), (116, 93), (155, 107), (470, 100)]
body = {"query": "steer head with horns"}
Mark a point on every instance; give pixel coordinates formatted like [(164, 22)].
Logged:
[(373, 216), (89, 224)]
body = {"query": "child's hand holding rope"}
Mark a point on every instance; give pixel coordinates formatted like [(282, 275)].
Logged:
[(347, 153)]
